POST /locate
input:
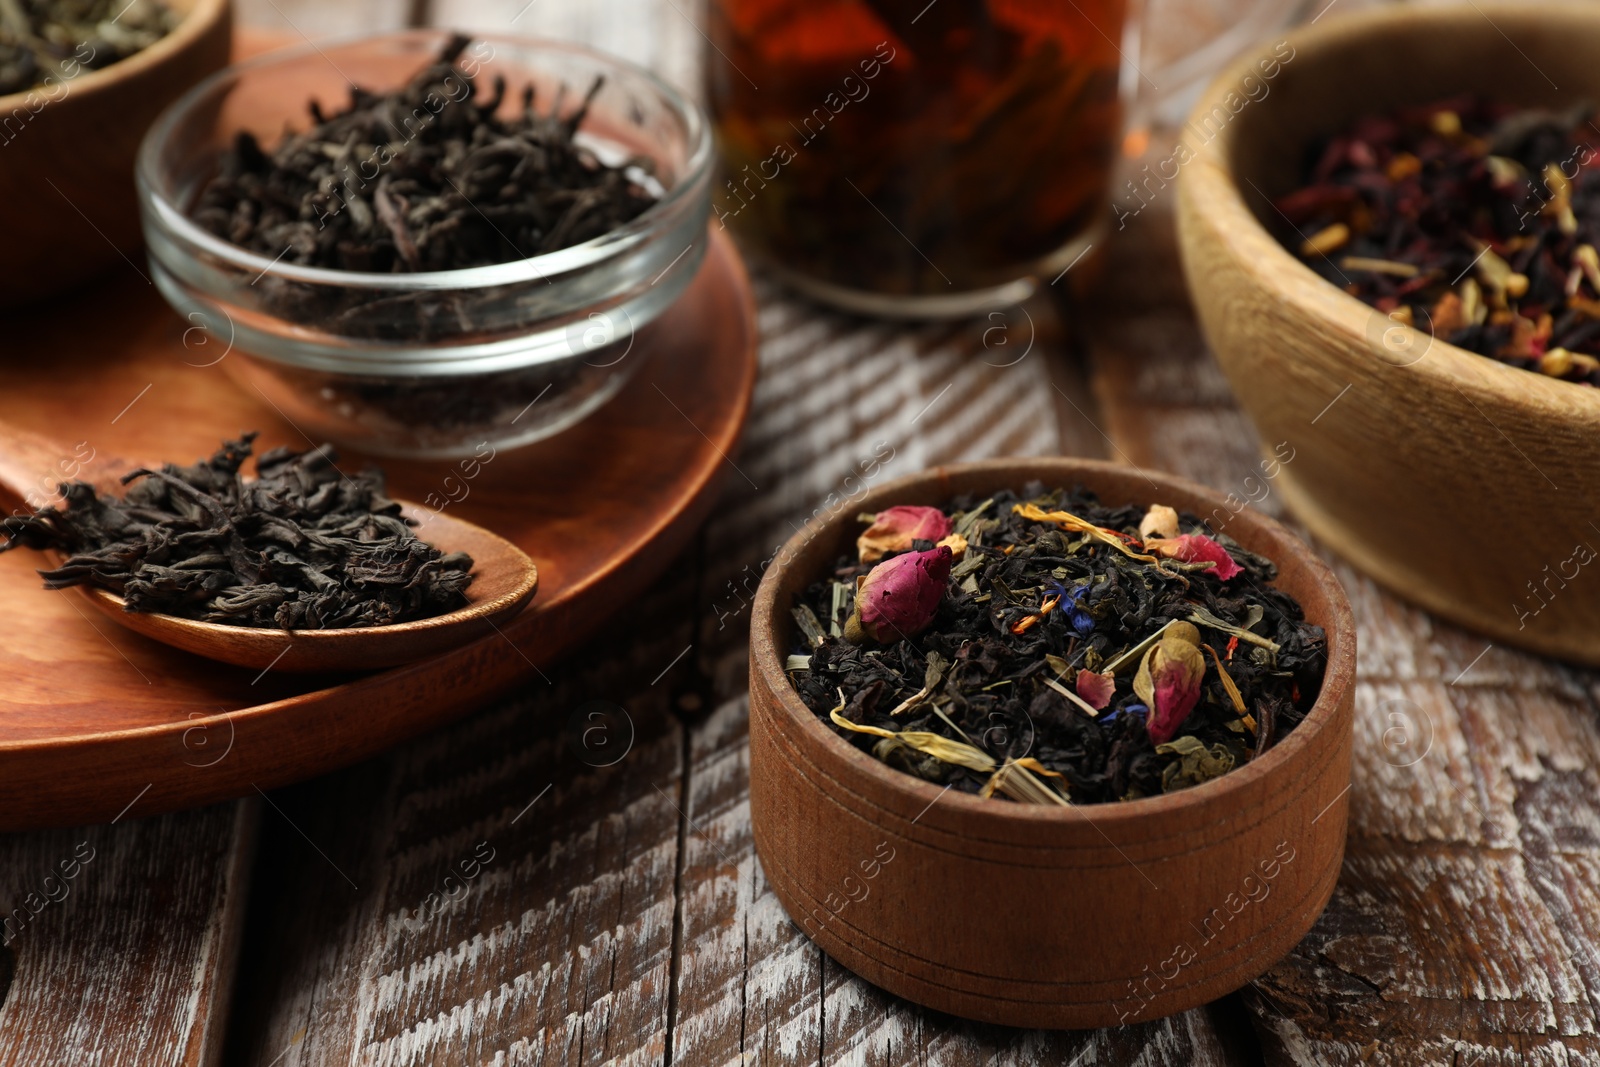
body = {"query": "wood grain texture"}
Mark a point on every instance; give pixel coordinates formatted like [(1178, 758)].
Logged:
[(1401, 431), (558, 950), (644, 466), (747, 986), (1462, 930), (122, 939)]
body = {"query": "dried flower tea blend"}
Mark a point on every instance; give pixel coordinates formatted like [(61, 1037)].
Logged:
[(45, 42), (433, 176), (302, 546), (1053, 650), (1475, 221)]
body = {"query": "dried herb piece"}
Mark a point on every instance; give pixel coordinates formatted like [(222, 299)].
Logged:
[(47, 41), (1468, 219), (302, 546), (1062, 660), (431, 177)]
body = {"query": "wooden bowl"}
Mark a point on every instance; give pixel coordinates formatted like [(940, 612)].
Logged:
[(1459, 482), (67, 203), (1043, 916)]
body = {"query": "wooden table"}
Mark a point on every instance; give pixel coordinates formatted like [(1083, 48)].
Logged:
[(616, 910)]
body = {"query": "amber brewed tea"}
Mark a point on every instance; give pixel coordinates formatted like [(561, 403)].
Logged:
[(914, 149)]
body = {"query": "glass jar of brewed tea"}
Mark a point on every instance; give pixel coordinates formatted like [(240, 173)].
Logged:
[(923, 159)]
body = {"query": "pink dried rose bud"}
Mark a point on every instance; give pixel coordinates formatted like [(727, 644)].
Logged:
[(1096, 689), (899, 597), (1169, 680), (894, 529), (1195, 548)]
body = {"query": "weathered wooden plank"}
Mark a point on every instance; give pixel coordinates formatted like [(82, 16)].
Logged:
[(1463, 928), (119, 940), (498, 892), (347, 979)]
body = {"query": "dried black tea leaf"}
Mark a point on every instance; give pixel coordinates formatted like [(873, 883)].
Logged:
[(301, 546), (430, 177), (1071, 652)]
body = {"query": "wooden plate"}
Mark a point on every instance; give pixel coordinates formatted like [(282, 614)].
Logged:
[(93, 717)]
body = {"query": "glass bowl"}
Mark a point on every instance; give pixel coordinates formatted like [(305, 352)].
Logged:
[(430, 364)]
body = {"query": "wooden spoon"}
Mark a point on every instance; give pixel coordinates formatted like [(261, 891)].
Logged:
[(504, 578)]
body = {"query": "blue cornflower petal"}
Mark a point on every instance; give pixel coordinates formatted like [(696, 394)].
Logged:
[(1131, 709)]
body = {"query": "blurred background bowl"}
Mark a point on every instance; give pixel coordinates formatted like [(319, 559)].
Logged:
[(1458, 482), (67, 204), (437, 364)]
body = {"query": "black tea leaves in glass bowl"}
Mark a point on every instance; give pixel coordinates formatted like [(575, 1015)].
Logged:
[(429, 177), (1049, 649), (467, 243)]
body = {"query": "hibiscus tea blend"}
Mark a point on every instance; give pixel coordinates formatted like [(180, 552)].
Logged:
[(301, 547), (1050, 649), (1471, 220)]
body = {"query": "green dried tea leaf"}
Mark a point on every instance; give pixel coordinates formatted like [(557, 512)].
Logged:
[(1195, 764), (937, 665), (1203, 617), (902, 757), (970, 564), (842, 600), (966, 523)]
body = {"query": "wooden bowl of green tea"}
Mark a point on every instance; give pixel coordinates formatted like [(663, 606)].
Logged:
[(1036, 914), (68, 208), (1459, 482)]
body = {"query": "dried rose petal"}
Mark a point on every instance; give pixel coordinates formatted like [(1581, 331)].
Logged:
[(894, 529), (1196, 548), (1096, 689), (899, 597), (1169, 680)]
